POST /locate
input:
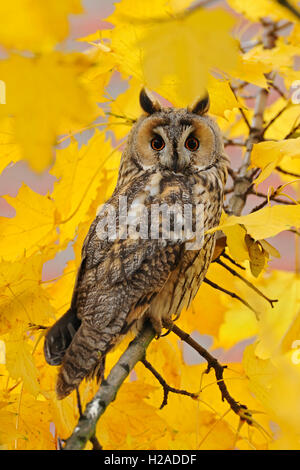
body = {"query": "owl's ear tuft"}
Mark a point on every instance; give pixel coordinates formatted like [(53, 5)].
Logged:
[(201, 106), (148, 104)]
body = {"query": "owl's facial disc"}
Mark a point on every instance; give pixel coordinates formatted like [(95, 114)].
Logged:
[(187, 144), (175, 142)]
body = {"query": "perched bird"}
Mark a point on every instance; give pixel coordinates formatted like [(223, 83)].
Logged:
[(173, 158)]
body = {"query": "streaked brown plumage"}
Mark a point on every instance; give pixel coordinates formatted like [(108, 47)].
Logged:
[(121, 282)]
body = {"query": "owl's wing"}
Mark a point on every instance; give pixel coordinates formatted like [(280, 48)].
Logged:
[(120, 276), (59, 337)]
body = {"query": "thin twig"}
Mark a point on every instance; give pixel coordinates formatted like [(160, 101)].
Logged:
[(283, 26), (232, 142), (259, 206), (289, 7), (245, 117), (232, 294), (274, 118), (224, 255), (249, 284), (292, 131), (285, 172), (166, 387), (265, 202), (279, 91), (272, 197), (79, 402)]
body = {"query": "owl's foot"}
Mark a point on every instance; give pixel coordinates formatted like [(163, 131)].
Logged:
[(168, 324), (157, 325)]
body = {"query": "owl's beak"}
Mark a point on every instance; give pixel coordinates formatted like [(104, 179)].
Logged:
[(175, 161), (178, 161)]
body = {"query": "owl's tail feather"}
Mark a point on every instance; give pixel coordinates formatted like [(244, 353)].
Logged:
[(59, 337), (84, 358)]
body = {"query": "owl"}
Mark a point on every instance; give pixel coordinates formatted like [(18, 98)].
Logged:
[(173, 158)]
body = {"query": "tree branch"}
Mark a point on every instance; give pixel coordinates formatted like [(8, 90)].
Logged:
[(86, 426), (285, 172), (243, 180), (224, 255)]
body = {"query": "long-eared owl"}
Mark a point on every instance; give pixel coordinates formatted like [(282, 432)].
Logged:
[(172, 158)]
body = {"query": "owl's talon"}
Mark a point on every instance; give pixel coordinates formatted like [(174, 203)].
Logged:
[(157, 325), (168, 324)]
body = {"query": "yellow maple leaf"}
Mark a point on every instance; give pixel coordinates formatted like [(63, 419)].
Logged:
[(47, 88), (97, 77), (221, 96), (125, 109), (179, 5), (275, 323), (20, 363), (285, 121), (275, 383), (130, 422), (33, 417), (172, 48), (282, 55), (32, 228), (139, 11), (79, 173), (8, 431), (266, 222), (60, 291), (159, 46), (30, 25), (22, 297), (268, 155), (10, 150), (2, 352), (235, 236), (262, 9), (249, 70)]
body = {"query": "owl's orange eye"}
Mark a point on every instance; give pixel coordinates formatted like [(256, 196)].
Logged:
[(192, 143), (157, 143)]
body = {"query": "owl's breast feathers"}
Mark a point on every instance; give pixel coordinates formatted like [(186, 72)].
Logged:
[(124, 279)]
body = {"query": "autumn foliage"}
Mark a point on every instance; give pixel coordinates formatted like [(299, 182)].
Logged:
[(59, 115)]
